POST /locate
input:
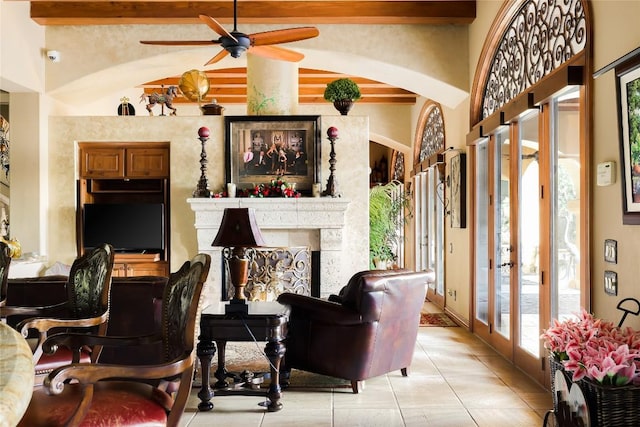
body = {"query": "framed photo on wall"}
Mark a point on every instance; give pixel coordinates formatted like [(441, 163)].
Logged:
[(261, 148), (628, 92)]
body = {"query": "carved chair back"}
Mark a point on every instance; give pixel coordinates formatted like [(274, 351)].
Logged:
[(5, 261), (179, 315), (88, 286)]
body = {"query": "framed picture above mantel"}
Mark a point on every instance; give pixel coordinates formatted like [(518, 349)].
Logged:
[(261, 148)]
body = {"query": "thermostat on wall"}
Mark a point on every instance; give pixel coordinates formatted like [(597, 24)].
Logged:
[(606, 173)]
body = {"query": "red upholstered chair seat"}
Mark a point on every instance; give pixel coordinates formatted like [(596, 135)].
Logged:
[(63, 356), (113, 404)]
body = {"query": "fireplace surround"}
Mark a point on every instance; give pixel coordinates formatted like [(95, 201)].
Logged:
[(317, 222)]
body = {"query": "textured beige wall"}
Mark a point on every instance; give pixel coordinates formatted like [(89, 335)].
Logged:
[(616, 32), (457, 242), (181, 132), (21, 44)]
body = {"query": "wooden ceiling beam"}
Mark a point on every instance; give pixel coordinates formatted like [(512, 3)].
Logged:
[(232, 100), (433, 12), (229, 86)]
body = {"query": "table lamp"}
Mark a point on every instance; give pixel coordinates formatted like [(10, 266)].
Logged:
[(238, 235)]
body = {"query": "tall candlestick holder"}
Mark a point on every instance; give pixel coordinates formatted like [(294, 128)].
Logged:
[(202, 189), (332, 183)]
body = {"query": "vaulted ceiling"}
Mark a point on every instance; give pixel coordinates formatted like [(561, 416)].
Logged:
[(229, 85)]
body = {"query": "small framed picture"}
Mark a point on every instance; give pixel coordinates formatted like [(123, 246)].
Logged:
[(611, 251)]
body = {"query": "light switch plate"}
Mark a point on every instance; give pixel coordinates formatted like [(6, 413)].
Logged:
[(611, 283)]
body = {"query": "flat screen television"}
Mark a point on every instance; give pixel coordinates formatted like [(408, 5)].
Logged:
[(128, 227)]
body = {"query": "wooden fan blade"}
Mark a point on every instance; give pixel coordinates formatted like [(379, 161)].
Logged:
[(218, 57), (276, 52), (179, 42), (215, 26), (283, 36)]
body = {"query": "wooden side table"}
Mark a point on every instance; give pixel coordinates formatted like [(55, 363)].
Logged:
[(267, 321)]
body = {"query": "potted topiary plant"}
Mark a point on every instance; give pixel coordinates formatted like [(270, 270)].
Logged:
[(387, 217), (342, 92)]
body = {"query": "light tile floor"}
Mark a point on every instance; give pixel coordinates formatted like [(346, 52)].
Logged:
[(455, 380)]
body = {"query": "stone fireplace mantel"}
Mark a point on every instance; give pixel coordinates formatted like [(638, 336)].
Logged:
[(316, 222)]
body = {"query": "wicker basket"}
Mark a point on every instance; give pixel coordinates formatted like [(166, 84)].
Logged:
[(609, 406), (615, 406)]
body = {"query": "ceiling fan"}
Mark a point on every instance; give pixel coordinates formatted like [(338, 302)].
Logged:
[(236, 42)]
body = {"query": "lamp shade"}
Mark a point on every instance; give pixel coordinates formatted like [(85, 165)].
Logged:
[(239, 229)]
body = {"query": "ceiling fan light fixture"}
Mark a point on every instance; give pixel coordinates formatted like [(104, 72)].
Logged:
[(236, 47), (236, 51)]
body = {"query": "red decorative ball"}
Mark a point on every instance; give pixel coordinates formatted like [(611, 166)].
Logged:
[(204, 132), (332, 132)]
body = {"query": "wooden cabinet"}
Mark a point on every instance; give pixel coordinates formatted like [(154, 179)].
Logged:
[(126, 174), (129, 265), (124, 160), (146, 163), (98, 162)]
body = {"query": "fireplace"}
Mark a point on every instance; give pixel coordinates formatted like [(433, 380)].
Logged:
[(273, 271), (318, 223)]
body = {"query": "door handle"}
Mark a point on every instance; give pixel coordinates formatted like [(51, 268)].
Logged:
[(506, 264)]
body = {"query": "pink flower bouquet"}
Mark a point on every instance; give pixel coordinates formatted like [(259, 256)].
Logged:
[(595, 349)]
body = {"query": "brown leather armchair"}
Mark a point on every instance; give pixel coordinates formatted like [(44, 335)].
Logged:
[(368, 330)]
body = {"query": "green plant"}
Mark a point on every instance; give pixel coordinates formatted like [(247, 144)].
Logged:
[(388, 205), (341, 89)]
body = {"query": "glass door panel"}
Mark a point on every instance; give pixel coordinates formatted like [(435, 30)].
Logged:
[(565, 148), (482, 233), (529, 236), (502, 244), (420, 221)]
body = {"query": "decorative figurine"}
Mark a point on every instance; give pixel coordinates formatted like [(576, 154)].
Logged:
[(126, 109), (164, 99)]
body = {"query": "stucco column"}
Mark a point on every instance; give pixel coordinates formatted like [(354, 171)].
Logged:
[(272, 86)]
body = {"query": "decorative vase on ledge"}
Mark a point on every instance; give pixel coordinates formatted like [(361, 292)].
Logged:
[(343, 106)]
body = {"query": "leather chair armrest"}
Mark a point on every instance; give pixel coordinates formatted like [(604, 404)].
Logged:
[(335, 298), (316, 308)]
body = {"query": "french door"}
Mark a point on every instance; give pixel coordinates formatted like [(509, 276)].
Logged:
[(527, 227), (429, 229)]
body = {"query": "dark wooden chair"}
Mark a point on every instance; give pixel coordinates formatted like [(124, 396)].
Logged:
[(368, 330), (125, 395), (5, 261), (86, 308)]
